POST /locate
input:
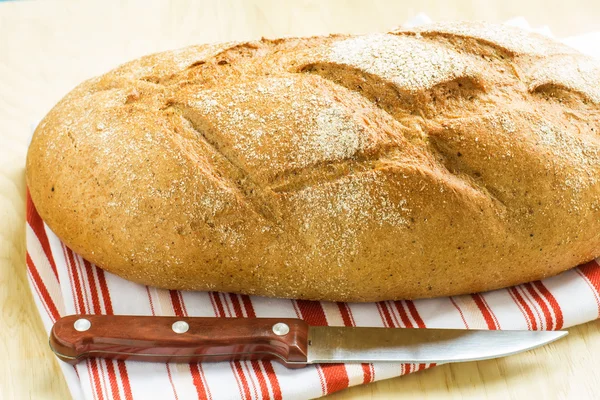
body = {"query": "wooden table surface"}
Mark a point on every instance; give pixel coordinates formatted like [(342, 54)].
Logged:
[(47, 47)]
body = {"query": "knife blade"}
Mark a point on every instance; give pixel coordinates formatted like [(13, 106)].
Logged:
[(290, 341)]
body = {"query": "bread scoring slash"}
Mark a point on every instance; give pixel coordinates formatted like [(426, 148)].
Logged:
[(443, 160)]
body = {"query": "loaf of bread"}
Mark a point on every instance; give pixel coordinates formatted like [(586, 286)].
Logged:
[(448, 159)]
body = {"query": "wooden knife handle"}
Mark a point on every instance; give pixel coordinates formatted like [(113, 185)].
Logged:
[(180, 339)]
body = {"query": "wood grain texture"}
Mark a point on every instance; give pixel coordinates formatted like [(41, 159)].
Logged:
[(47, 47), (152, 338)]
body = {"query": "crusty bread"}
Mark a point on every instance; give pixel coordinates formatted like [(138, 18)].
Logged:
[(449, 159)]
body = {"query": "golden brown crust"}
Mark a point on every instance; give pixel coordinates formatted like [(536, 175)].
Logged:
[(450, 159)]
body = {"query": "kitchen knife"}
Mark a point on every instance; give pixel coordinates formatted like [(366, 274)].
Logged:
[(290, 341)]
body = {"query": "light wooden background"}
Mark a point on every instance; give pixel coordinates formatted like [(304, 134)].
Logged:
[(47, 47)]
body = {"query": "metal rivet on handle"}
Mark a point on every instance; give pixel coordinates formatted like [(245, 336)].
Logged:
[(82, 325), (281, 329), (180, 327)]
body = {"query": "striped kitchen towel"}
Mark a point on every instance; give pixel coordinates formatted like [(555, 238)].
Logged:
[(64, 283)]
